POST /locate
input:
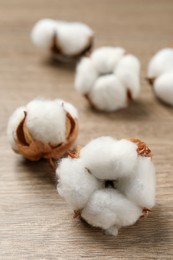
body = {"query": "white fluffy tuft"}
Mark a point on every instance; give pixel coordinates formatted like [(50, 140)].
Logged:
[(108, 159), (163, 87), (105, 59), (42, 33), (77, 185), (108, 93), (46, 121), (161, 62), (85, 76), (128, 71), (107, 208)]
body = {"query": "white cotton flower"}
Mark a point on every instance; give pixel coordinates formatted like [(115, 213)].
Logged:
[(64, 39), (163, 87), (109, 78), (43, 128), (160, 63), (160, 75), (109, 183)]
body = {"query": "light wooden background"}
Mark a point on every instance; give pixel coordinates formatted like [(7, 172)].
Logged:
[(34, 221)]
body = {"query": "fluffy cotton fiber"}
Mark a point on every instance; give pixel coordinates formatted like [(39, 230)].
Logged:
[(64, 39), (109, 78), (109, 182), (160, 75), (43, 128)]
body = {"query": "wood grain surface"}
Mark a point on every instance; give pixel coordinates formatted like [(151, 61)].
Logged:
[(35, 223)]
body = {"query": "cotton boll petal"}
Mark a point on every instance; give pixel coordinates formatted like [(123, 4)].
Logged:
[(163, 87), (105, 59), (46, 121), (43, 32), (75, 183), (85, 76), (13, 123), (128, 71), (108, 159), (161, 62), (74, 37), (108, 93), (107, 208), (140, 186)]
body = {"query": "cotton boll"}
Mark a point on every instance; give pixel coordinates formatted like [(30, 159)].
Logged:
[(66, 40), (161, 62), (13, 123), (163, 87), (73, 37), (43, 32), (108, 208), (75, 183), (108, 93), (85, 76), (46, 121), (140, 186), (108, 159), (128, 71), (108, 78), (106, 58), (43, 129)]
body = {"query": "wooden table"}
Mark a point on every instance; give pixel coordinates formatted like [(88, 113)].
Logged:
[(35, 223)]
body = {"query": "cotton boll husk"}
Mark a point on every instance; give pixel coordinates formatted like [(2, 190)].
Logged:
[(43, 32), (85, 76), (128, 71), (163, 87), (73, 37), (105, 59), (75, 183), (140, 186), (68, 107), (107, 208), (46, 121), (13, 123), (108, 159), (108, 93), (161, 62)]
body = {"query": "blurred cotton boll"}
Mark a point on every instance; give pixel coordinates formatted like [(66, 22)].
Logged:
[(109, 78), (160, 75), (65, 40)]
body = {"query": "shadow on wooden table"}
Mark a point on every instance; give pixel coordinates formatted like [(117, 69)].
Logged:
[(39, 170)]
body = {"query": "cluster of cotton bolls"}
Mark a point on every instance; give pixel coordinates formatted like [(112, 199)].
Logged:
[(109, 183), (109, 78), (160, 75), (43, 129), (66, 40)]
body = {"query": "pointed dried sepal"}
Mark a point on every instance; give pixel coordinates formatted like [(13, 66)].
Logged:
[(142, 149)]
